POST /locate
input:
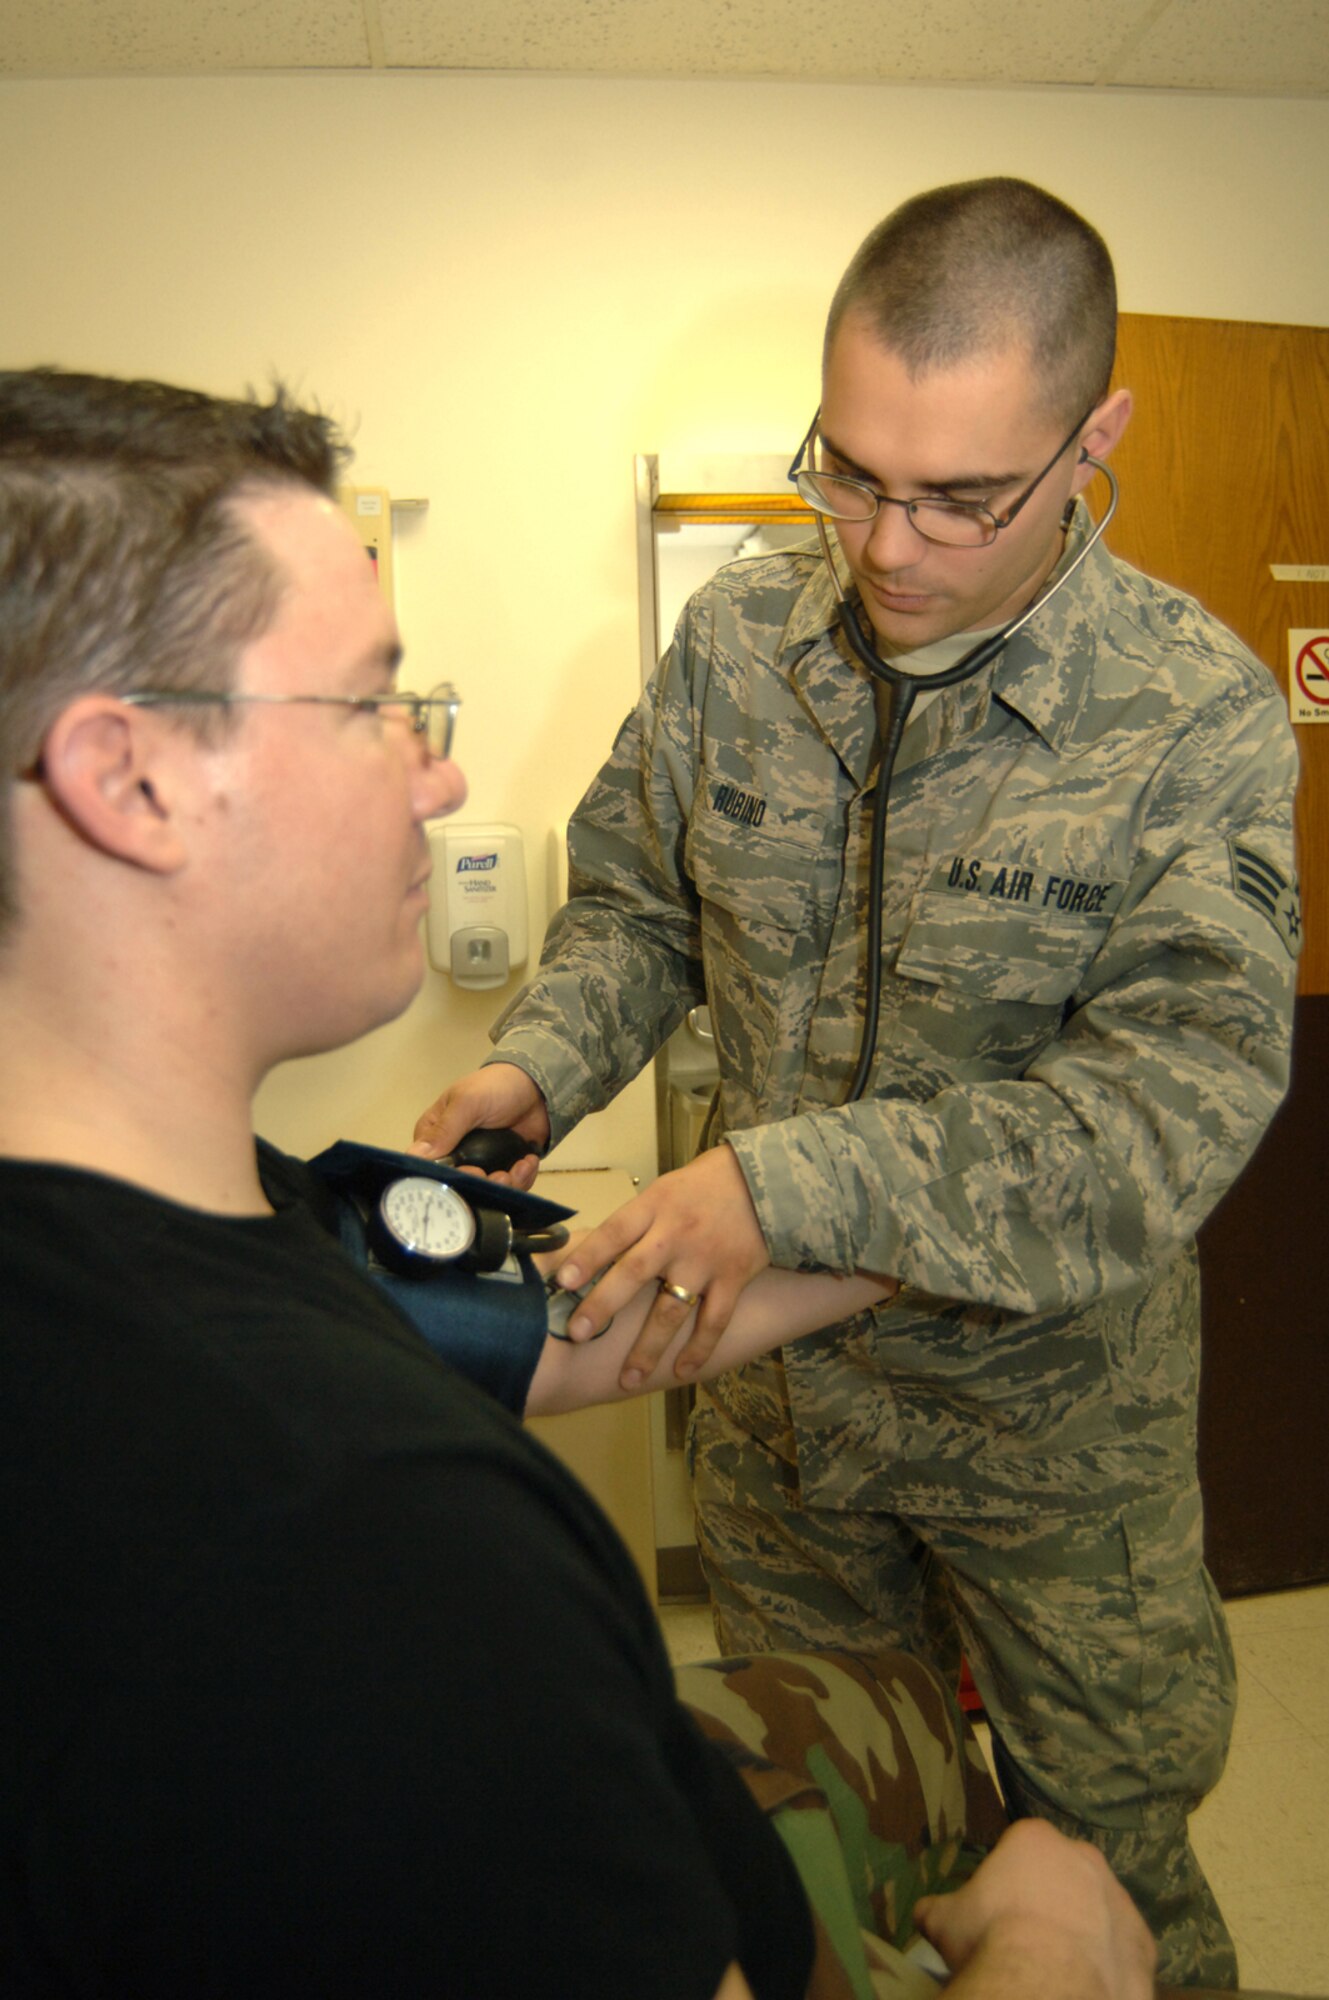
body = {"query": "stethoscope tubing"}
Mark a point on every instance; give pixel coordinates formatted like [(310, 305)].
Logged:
[(903, 686)]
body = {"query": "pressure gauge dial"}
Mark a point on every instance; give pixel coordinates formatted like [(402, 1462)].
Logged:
[(421, 1224)]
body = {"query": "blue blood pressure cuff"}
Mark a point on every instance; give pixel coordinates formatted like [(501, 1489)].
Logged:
[(488, 1324)]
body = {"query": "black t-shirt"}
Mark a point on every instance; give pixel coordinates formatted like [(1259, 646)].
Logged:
[(321, 1677)]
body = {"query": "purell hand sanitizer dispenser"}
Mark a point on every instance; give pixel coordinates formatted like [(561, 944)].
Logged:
[(477, 902)]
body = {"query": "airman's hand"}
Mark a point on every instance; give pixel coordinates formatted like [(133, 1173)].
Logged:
[(499, 1095), (695, 1230)]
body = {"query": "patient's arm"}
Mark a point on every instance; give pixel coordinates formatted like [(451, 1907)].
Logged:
[(777, 1306)]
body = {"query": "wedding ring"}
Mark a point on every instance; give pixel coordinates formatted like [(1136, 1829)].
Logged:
[(684, 1297)]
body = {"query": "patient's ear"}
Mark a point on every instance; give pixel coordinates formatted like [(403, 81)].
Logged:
[(115, 774)]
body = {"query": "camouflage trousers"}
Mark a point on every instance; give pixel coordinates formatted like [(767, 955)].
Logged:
[(1093, 1634), (874, 1781)]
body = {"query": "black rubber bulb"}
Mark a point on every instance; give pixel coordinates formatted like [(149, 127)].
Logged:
[(491, 1148)]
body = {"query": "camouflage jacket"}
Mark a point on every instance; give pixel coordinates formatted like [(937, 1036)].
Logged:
[(1090, 931)]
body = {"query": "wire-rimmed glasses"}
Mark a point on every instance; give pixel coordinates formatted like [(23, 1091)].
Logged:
[(959, 524), (432, 715)]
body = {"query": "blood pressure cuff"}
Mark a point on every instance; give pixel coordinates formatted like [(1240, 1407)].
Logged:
[(488, 1325)]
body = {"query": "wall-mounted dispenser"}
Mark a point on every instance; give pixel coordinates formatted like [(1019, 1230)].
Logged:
[(476, 926)]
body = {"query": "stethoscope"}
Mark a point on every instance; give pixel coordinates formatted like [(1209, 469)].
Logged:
[(902, 687)]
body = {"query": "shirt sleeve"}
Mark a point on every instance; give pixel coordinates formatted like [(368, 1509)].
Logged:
[(621, 964), (1049, 1190)]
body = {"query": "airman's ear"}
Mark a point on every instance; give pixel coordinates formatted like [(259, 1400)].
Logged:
[(112, 772), (1102, 433)]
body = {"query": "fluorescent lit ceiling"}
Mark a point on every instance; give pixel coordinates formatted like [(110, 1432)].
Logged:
[(1278, 47)]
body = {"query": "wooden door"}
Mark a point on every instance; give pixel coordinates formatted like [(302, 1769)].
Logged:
[(1225, 472)]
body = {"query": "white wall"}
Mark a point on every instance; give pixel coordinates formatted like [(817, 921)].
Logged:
[(507, 287)]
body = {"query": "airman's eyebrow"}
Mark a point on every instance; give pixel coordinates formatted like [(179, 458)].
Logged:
[(964, 482)]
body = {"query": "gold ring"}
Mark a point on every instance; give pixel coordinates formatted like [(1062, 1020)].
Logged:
[(684, 1297)]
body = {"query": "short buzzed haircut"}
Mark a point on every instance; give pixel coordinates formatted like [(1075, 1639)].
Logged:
[(983, 266), (124, 561)]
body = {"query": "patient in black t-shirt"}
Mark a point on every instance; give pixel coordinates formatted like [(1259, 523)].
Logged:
[(321, 1677)]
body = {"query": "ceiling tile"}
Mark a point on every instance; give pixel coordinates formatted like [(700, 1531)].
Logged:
[(1280, 46), (867, 40), (90, 37), (1243, 46)]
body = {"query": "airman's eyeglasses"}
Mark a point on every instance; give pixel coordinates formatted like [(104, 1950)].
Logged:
[(960, 524)]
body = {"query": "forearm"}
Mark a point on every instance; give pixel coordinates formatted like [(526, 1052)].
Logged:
[(590, 1022), (621, 962), (1044, 1190), (778, 1306), (1038, 1193), (1097, 1105)]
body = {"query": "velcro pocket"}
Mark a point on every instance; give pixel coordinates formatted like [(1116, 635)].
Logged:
[(763, 879), (1007, 955)]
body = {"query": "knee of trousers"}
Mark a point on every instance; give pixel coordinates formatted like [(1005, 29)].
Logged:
[(1112, 1686)]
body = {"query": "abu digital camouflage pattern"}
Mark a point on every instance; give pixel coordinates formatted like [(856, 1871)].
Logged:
[(1089, 930), (1093, 1632), (876, 1784), (1084, 1022)]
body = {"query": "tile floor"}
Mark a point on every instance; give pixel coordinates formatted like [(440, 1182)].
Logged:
[(1263, 1835)]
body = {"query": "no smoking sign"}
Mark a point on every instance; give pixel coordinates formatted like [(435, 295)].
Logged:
[(1308, 675)]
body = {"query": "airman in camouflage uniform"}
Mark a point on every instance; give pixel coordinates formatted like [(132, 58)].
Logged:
[(1090, 927), (1088, 954)]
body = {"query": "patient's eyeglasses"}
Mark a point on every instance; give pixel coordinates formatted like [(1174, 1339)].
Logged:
[(432, 715)]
